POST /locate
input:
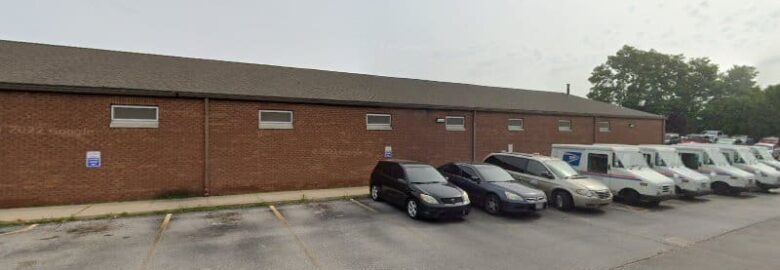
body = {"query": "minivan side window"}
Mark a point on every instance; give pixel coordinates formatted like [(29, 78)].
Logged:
[(396, 171), (690, 160), (515, 163), (537, 169), (598, 163)]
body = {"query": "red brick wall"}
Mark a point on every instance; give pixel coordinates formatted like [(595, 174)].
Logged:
[(329, 146), (539, 133), (44, 139), (644, 131)]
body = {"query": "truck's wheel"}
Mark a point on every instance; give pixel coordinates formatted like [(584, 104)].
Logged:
[(630, 196), (721, 188)]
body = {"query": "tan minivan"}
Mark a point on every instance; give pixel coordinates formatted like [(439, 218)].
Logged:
[(562, 184)]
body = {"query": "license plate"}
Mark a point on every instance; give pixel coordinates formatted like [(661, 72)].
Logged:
[(539, 206)]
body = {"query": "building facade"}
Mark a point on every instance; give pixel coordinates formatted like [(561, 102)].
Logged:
[(69, 142)]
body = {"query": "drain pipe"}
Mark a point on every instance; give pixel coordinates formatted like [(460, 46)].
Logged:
[(206, 147), (474, 136)]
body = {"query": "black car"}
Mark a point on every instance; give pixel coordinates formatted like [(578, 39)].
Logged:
[(419, 187), (494, 188)]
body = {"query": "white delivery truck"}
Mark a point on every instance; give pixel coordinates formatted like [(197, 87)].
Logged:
[(741, 157), (764, 155), (665, 160), (622, 168), (707, 159)]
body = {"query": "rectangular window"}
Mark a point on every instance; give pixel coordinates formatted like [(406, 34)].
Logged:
[(564, 125), (379, 122), (515, 125), (133, 116), (457, 123), (271, 119), (598, 163), (603, 126)]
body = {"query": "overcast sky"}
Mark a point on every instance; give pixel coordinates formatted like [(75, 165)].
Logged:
[(521, 44)]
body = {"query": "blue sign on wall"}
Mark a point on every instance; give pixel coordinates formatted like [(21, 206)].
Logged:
[(93, 159), (388, 152), (573, 158)]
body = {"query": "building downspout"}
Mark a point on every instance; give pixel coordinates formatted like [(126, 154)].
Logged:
[(206, 147), (474, 136), (594, 130)]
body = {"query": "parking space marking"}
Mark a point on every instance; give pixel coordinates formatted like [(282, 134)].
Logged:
[(163, 227), (364, 206), (305, 249), (28, 228)]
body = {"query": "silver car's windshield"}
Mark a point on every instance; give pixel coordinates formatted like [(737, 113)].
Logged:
[(747, 156), (562, 169), (632, 160), (714, 157), (493, 174), (668, 159)]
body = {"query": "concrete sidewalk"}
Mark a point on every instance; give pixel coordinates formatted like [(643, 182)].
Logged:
[(32, 214)]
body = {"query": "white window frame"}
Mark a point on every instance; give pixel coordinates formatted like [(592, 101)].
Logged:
[(565, 129), (388, 126), (135, 123), (515, 128), (608, 127), (274, 124), (454, 127)]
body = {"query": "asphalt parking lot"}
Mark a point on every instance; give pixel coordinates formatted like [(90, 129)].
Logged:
[(713, 232)]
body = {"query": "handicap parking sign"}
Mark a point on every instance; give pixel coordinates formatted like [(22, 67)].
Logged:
[(388, 152), (93, 159)]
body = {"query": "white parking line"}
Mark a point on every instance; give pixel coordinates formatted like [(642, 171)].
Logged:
[(28, 228), (369, 208), (313, 260)]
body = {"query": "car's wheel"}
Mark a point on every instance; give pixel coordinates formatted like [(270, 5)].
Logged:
[(630, 196), (412, 209), (376, 193), (563, 201), (721, 188), (493, 204)]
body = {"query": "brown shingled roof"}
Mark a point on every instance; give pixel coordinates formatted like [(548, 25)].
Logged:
[(43, 67)]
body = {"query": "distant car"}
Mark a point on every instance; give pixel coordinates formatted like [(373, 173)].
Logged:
[(695, 138), (774, 142), (419, 187), (671, 138), (493, 188), (728, 141), (743, 139), (567, 187)]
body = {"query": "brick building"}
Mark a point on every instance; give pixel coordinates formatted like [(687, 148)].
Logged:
[(169, 125)]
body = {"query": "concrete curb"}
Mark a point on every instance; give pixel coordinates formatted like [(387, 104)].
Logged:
[(18, 216)]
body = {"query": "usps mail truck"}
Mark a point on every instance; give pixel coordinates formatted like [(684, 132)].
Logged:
[(707, 159), (764, 155), (665, 160), (622, 168), (741, 157)]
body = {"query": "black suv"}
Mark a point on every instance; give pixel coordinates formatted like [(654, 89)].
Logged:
[(419, 187), (494, 188)]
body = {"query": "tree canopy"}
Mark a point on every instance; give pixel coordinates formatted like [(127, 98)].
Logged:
[(692, 93)]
